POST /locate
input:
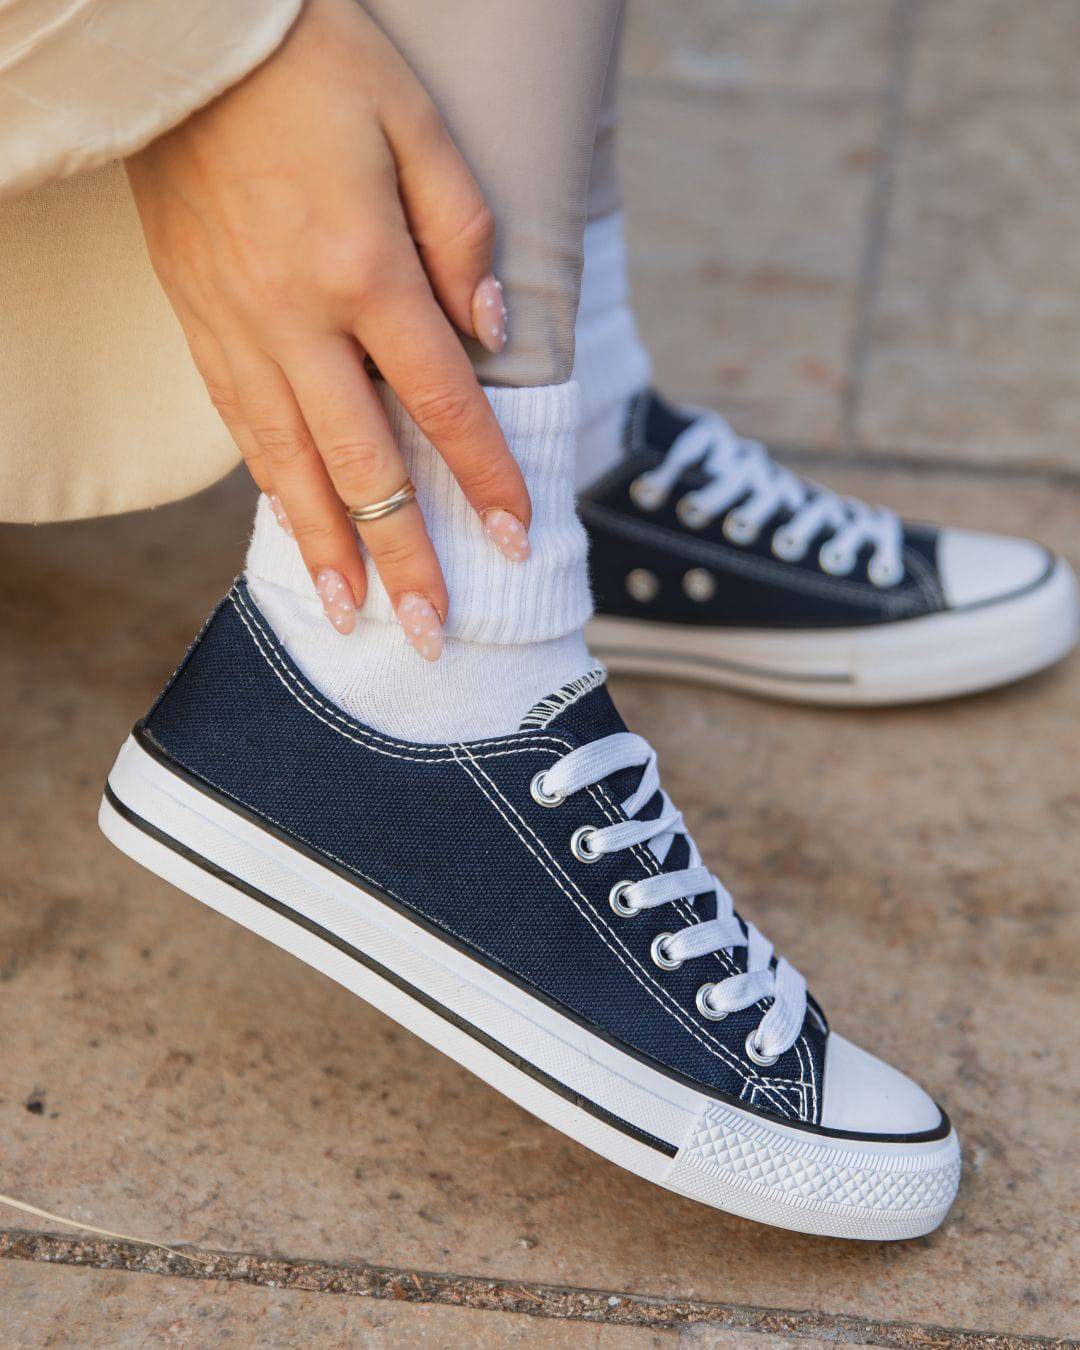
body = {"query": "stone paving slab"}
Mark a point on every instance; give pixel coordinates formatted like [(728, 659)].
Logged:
[(745, 225), (812, 46), (854, 223), (104, 1310), (748, 155), (167, 1074), (975, 335)]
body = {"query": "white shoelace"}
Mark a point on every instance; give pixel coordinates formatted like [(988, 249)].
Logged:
[(738, 468), (591, 764)]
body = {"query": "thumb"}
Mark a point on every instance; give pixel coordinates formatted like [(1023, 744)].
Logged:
[(450, 222)]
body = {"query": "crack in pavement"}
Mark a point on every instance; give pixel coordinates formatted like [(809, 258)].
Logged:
[(494, 1295)]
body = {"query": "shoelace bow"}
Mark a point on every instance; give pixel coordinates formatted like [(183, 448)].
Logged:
[(743, 469), (591, 764)]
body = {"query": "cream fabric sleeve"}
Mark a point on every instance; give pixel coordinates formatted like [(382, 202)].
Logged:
[(83, 82)]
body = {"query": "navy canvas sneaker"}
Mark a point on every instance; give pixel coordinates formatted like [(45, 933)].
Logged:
[(711, 561), (532, 906)]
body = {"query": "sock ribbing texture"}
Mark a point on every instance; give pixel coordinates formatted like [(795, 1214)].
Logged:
[(513, 631)]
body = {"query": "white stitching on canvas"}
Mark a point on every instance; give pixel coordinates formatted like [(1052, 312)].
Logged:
[(301, 693), (720, 1051), (648, 860), (366, 738)]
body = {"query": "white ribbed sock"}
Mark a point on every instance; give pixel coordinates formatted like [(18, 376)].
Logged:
[(513, 633), (610, 361)]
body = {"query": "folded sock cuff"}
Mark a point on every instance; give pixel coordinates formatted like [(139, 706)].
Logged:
[(491, 599)]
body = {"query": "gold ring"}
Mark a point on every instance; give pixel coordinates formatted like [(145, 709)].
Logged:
[(388, 505)]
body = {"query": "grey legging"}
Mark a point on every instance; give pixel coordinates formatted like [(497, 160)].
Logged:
[(521, 87)]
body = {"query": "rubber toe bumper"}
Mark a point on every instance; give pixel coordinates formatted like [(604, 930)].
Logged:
[(863, 1095), (977, 569)]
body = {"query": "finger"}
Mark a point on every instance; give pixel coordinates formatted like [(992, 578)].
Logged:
[(323, 532), (213, 366), (448, 218), (353, 437), (426, 366)]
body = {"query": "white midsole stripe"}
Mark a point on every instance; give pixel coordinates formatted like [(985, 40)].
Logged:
[(628, 1089), (584, 1063), (935, 656)]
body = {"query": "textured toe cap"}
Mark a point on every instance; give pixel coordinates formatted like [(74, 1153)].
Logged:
[(975, 568), (863, 1095)]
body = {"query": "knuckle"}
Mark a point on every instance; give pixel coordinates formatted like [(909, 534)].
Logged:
[(313, 534), (281, 444), (478, 230), (356, 459), (443, 411), (223, 397), (348, 267), (396, 551), (486, 477)]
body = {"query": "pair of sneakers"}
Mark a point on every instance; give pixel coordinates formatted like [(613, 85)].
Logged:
[(532, 904)]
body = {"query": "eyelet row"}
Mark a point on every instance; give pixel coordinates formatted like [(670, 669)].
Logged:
[(739, 530), (657, 949), (658, 952)]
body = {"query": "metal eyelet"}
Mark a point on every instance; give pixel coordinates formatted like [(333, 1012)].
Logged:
[(739, 530), (579, 847), (642, 585), (699, 585), (883, 576), (788, 548), (615, 899), (659, 956), (704, 1007), (645, 495), (542, 798), (691, 515), (834, 562), (755, 1054)]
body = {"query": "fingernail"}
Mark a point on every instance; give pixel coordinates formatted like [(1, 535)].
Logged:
[(421, 625), (489, 314), (508, 534), (279, 514), (337, 599)]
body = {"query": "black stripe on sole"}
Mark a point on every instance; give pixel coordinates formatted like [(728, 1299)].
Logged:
[(325, 935), (157, 752)]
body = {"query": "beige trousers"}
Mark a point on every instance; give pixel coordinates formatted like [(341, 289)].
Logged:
[(101, 409)]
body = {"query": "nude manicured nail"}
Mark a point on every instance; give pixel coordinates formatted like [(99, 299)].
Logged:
[(279, 514), (489, 314), (421, 625), (508, 535), (337, 599)]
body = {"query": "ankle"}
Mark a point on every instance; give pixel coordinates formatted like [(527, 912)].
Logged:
[(611, 364)]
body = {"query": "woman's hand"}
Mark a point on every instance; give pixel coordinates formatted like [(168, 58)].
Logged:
[(313, 214)]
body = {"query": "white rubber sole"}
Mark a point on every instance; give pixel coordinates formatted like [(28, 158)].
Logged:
[(912, 661), (623, 1108)]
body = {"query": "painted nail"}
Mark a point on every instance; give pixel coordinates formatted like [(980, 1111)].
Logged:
[(508, 534), (489, 314), (279, 514), (421, 625), (337, 599)]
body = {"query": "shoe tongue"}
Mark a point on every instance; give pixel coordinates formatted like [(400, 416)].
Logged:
[(658, 421)]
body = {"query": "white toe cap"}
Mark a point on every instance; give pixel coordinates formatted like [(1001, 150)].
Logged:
[(975, 568), (863, 1095)]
